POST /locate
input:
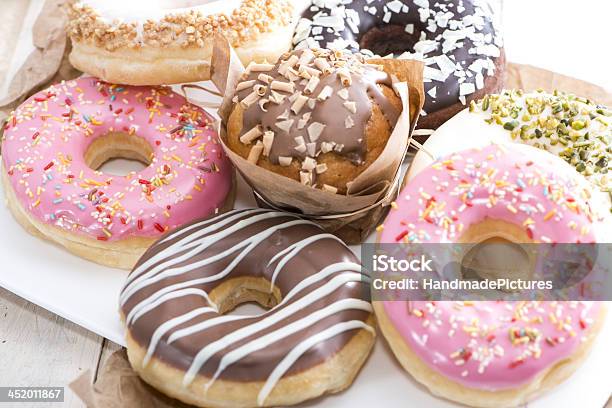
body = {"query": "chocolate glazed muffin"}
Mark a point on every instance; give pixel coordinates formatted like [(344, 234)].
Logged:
[(459, 40), (317, 116)]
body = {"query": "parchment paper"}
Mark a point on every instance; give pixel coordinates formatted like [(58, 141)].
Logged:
[(118, 386), (49, 61)]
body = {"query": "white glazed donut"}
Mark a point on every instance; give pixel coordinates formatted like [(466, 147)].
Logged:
[(170, 41)]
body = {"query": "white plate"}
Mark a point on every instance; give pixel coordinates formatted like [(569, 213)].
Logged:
[(86, 294)]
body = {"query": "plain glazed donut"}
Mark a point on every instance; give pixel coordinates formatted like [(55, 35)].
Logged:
[(492, 354), (459, 40), (574, 128), (313, 339), (54, 142), (167, 41)]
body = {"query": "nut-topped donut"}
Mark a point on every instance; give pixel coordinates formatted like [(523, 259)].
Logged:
[(459, 40), (317, 116), (170, 41), (56, 140), (313, 340)]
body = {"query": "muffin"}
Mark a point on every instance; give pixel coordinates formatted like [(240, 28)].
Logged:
[(317, 116)]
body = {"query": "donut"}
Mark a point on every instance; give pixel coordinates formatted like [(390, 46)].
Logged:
[(490, 354), (505, 185), (493, 353), (54, 142), (459, 40), (316, 116), (169, 41), (574, 128), (315, 336)]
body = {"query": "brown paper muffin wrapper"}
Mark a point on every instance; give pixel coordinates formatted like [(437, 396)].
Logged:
[(354, 215)]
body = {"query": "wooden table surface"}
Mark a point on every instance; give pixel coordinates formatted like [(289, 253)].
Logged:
[(39, 348)]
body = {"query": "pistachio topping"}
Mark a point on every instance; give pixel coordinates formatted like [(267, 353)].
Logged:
[(575, 128)]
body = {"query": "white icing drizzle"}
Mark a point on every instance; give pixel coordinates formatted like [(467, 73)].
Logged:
[(195, 246), (186, 229), (207, 324), (169, 325), (285, 331), (325, 272), (209, 350), (322, 274), (184, 243), (136, 313), (253, 242), (301, 348), (293, 250)]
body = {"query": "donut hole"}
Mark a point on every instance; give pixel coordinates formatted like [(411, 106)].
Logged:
[(498, 252), (118, 154), (389, 39), (245, 296)]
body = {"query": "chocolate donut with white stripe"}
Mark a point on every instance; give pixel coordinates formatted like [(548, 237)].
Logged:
[(459, 40), (314, 338)]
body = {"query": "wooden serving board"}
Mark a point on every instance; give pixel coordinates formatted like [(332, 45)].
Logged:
[(528, 77)]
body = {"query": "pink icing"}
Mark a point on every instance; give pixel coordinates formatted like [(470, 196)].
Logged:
[(487, 345), (46, 137), (492, 345), (517, 184)]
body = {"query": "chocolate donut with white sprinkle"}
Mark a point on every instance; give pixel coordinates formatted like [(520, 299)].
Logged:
[(459, 40)]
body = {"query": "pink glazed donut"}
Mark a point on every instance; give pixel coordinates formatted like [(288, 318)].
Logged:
[(492, 353), (55, 142)]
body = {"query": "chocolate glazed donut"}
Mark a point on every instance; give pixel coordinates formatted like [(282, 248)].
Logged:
[(313, 339), (459, 40)]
